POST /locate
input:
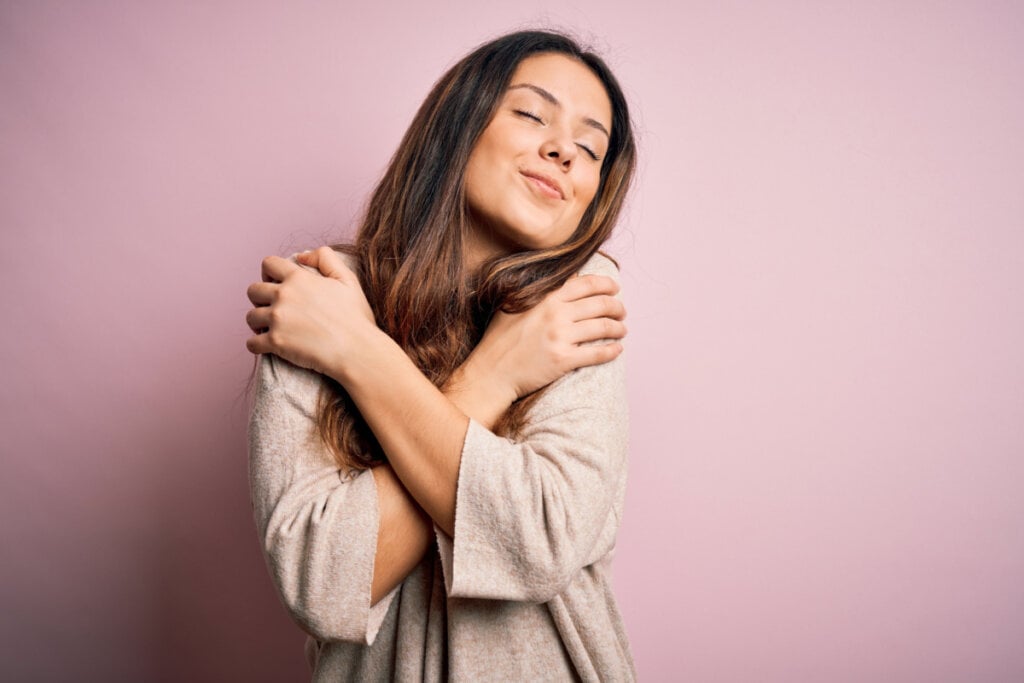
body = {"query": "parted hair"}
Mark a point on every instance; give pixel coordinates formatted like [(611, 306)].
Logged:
[(409, 247)]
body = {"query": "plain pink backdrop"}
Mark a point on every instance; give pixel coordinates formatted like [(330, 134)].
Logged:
[(823, 265)]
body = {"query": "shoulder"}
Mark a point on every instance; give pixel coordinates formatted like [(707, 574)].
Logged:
[(279, 382), (600, 264), (350, 260), (594, 390)]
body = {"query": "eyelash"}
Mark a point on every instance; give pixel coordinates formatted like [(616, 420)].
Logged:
[(534, 117), (529, 115)]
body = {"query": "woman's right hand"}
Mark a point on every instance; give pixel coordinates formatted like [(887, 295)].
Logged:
[(522, 352)]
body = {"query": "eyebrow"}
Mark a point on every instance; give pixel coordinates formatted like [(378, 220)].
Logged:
[(593, 123)]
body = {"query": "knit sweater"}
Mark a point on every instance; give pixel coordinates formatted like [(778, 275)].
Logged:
[(520, 592)]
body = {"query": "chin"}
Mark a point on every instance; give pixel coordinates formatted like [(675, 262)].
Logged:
[(528, 231), (542, 237), (533, 243)]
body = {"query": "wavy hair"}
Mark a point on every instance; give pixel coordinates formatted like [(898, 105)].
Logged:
[(409, 247)]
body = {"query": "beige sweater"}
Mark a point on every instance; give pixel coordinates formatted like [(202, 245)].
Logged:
[(523, 590)]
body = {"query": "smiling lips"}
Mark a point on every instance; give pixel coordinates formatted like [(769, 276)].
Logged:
[(547, 185)]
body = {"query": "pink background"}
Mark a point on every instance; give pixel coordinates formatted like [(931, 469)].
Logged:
[(824, 268)]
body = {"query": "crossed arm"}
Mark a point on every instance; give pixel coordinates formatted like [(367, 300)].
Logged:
[(325, 324)]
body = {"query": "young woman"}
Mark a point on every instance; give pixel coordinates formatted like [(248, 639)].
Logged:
[(438, 438)]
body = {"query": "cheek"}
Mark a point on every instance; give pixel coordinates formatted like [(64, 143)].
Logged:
[(587, 192), (476, 181), (482, 168)]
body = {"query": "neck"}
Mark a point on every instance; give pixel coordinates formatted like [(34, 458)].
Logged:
[(479, 246)]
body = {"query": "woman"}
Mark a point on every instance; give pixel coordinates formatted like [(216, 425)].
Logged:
[(438, 439)]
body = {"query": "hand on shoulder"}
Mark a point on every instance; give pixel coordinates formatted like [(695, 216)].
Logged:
[(316, 316), (529, 350)]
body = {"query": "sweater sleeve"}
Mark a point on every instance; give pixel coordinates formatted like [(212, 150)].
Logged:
[(530, 514), (318, 528)]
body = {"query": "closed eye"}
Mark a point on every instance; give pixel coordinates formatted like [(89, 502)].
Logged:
[(590, 152), (526, 114), (529, 115)]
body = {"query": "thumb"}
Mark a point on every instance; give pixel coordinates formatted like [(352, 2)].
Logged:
[(330, 264)]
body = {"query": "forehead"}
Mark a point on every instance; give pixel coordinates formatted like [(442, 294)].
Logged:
[(572, 82)]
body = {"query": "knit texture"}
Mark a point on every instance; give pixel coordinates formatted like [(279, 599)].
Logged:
[(523, 590)]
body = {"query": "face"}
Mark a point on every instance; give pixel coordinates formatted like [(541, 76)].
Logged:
[(537, 165)]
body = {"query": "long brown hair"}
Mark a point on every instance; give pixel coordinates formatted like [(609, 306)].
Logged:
[(409, 248)]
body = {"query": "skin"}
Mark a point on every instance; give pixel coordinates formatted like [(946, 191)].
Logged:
[(324, 323), (553, 121)]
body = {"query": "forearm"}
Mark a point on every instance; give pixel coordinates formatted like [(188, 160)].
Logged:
[(475, 395), (419, 429), (405, 529), (403, 537)]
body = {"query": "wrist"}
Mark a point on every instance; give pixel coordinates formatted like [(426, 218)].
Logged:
[(367, 350), (476, 389), (483, 374)]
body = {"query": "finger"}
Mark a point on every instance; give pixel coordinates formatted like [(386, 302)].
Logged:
[(275, 268), (600, 306), (258, 319), (330, 263), (262, 293), (595, 354), (588, 285), (258, 343), (595, 329)]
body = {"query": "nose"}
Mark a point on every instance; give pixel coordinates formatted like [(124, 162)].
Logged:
[(561, 149)]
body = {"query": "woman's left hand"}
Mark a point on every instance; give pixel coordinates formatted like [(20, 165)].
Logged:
[(316, 321)]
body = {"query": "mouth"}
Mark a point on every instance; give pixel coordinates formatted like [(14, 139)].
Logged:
[(546, 185)]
